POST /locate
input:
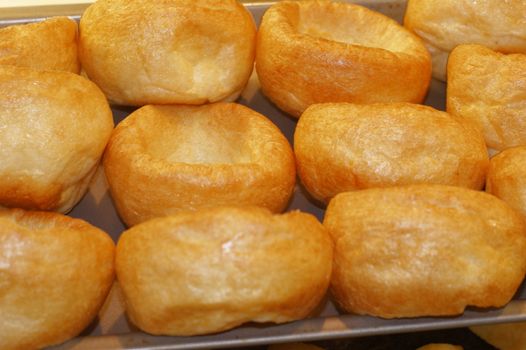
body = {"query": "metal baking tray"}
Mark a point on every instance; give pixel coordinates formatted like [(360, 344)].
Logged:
[(112, 330)]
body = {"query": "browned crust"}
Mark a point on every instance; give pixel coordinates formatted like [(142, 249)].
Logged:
[(507, 178), (342, 147), (488, 88), (214, 269), (56, 273), (171, 52), (297, 70), (424, 250), (144, 186), (55, 126), (46, 45), (445, 24)]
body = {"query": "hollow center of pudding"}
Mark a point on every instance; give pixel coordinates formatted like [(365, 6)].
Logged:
[(200, 139), (350, 25)]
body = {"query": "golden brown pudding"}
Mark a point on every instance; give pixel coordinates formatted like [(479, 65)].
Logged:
[(320, 51), (507, 336), (445, 24), (55, 273), (46, 45), (341, 147), (214, 269), (164, 159), (171, 52), (440, 347), (489, 88), (507, 178), (424, 250), (54, 127)]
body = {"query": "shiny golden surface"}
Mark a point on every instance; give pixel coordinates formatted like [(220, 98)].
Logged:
[(164, 159), (341, 147), (507, 178), (211, 270), (319, 51), (54, 127), (424, 250), (46, 45), (55, 273), (174, 51), (445, 24), (489, 88)]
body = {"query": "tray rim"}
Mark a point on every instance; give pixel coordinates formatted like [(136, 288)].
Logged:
[(313, 329)]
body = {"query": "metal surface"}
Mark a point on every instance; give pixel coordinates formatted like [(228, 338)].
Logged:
[(113, 331), (344, 326)]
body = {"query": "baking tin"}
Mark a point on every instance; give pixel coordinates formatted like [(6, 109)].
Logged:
[(112, 330)]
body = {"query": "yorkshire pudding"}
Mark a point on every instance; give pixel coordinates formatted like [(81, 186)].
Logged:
[(424, 250), (54, 127), (46, 45), (168, 52), (319, 51), (163, 159), (439, 346), (214, 269), (342, 147), (507, 178), (489, 88), (507, 336), (445, 24), (55, 273)]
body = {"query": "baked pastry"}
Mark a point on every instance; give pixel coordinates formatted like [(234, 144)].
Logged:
[(424, 250), (489, 88), (46, 45), (341, 147), (507, 336), (507, 178), (445, 24), (54, 127), (55, 273), (171, 52), (188, 157), (440, 347), (214, 269), (320, 51)]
